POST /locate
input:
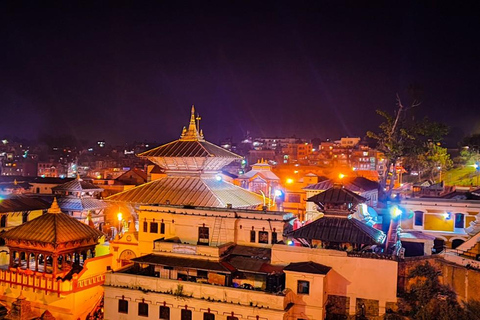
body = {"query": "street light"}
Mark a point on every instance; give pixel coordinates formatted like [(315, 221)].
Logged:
[(120, 218)]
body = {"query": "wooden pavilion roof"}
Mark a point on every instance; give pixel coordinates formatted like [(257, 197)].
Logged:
[(339, 229), (337, 194), (53, 228)]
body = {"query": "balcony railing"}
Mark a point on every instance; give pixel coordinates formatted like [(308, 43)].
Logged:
[(203, 291)]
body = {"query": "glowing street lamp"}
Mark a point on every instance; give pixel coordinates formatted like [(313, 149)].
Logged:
[(120, 218)]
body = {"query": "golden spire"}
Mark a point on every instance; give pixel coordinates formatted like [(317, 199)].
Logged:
[(192, 132), (54, 208)]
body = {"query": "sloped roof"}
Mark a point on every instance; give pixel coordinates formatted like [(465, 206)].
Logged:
[(190, 190), (80, 204), (253, 265), (308, 267), (267, 175), (356, 184), (201, 264), (337, 229), (142, 174), (77, 185), (54, 227), (184, 149), (337, 195), (19, 203)]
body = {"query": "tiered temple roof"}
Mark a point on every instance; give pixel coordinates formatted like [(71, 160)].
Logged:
[(193, 176), (53, 228)]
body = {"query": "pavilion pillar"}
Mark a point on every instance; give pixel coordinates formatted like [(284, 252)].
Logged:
[(36, 261), (12, 258), (28, 259), (55, 263)]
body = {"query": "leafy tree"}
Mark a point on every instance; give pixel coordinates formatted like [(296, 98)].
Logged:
[(428, 299), (472, 142), (403, 138)]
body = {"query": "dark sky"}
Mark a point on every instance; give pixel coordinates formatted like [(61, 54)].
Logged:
[(125, 72)]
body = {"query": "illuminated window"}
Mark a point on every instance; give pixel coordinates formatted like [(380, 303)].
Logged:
[(303, 287), (203, 235), (186, 314), (122, 306), (143, 309), (153, 227), (208, 316), (459, 220), (162, 228), (145, 226), (419, 218), (164, 313), (262, 237), (252, 236)]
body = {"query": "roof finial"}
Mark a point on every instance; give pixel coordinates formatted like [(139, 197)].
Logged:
[(192, 132), (54, 208)]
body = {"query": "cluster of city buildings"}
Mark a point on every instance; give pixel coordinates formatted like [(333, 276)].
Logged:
[(185, 239)]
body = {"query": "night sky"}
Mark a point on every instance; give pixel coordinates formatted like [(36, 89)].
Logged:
[(125, 72)]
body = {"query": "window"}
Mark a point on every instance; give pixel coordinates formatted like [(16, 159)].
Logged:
[(459, 220), (419, 218), (303, 287), (208, 316), (295, 198), (164, 313), (145, 226), (162, 228), (143, 309), (203, 235), (186, 314), (232, 318), (153, 227), (262, 237), (274, 237), (3, 221), (252, 236), (122, 306)]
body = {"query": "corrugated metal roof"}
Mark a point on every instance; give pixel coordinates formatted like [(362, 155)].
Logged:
[(337, 195), (199, 264), (80, 204), (77, 185), (342, 230), (308, 267), (194, 190), (54, 227), (181, 149), (19, 203)]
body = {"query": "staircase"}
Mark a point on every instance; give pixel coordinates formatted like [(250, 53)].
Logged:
[(468, 248), (219, 234), (392, 243)]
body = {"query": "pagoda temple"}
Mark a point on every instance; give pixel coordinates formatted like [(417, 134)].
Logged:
[(338, 228), (193, 175), (79, 199), (53, 265)]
